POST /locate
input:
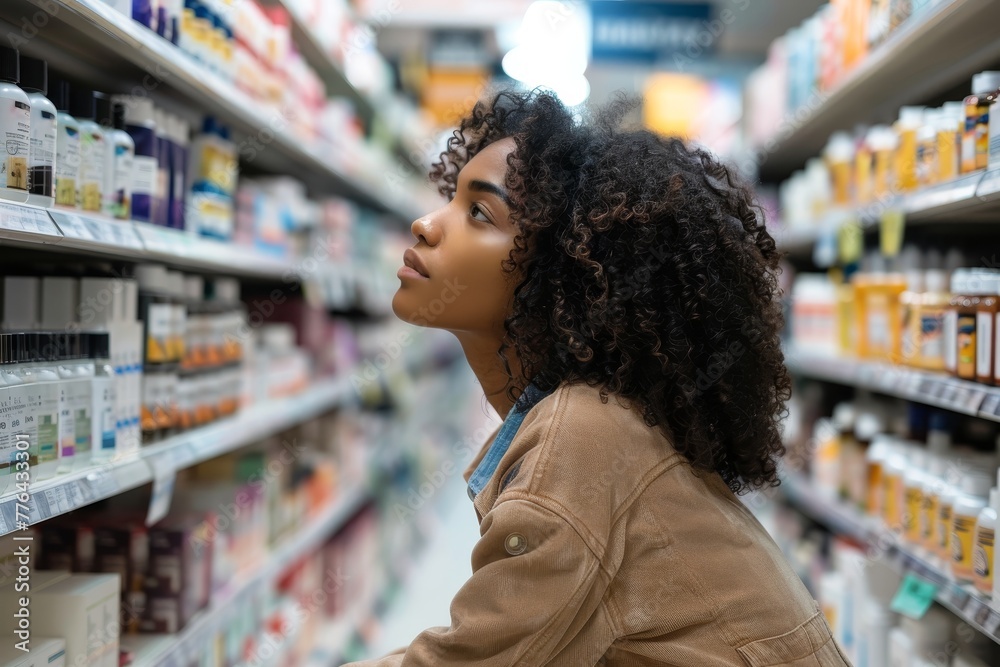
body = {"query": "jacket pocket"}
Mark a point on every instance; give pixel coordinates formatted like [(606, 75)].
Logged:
[(808, 645)]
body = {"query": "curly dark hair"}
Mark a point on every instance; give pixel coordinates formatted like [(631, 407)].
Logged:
[(643, 267)]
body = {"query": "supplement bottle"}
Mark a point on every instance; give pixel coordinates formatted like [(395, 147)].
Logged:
[(909, 123), (931, 317), (978, 108), (93, 146), (986, 315), (15, 127), (975, 488), (982, 555), (44, 129), (67, 148)]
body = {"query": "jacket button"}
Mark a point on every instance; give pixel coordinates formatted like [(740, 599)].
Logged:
[(515, 544)]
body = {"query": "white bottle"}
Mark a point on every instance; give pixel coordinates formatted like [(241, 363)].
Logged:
[(8, 439), (873, 643), (982, 552), (42, 151), (975, 488), (119, 159), (42, 388), (92, 150), (15, 128), (103, 417), (67, 148), (76, 370)]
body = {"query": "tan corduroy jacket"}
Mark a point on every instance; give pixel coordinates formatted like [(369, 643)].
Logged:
[(601, 546)]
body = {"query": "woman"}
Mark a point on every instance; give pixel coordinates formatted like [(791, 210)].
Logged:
[(615, 293)]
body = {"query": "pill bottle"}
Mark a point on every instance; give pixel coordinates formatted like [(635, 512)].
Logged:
[(982, 554), (970, 500)]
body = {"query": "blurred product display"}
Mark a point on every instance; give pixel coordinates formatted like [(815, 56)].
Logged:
[(225, 451)]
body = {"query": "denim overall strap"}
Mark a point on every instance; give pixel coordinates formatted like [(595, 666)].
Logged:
[(488, 466)]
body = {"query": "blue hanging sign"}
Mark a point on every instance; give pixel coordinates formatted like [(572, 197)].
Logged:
[(650, 31)]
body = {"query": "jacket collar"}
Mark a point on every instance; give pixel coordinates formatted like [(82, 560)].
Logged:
[(487, 467)]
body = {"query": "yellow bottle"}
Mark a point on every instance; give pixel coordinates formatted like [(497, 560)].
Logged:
[(910, 302), (909, 123), (839, 156), (950, 125), (883, 143), (879, 316), (931, 321)]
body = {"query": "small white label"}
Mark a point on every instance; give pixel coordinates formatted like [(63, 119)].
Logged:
[(984, 344), (144, 170), (951, 340), (91, 193), (15, 130)]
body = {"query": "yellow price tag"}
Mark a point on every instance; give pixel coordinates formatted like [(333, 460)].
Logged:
[(891, 232), (850, 242)]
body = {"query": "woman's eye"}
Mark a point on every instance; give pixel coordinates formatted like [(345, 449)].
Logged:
[(477, 213)]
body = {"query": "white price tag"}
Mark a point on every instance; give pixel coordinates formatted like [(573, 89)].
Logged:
[(72, 225), (74, 495), (26, 219), (990, 185), (164, 478), (102, 484)]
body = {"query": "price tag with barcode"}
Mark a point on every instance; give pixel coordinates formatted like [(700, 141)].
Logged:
[(72, 226), (103, 484), (26, 219), (164, 470)]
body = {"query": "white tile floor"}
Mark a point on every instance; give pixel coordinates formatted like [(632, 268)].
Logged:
[(441, 569)]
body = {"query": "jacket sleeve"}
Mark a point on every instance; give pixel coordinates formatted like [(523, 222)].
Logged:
[(535, 595)]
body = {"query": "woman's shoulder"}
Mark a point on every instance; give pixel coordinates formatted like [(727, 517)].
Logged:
[(589, 453)]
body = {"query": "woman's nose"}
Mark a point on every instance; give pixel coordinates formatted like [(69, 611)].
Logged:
[(426, 229)]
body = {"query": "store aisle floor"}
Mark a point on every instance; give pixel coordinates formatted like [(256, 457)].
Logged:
[(439, 572)]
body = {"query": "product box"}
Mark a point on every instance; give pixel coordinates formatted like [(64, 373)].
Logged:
[(179, 585), (84, 609), (66, 547), (124, 550)]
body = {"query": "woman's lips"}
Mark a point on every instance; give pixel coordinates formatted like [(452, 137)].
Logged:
[(413, 266)]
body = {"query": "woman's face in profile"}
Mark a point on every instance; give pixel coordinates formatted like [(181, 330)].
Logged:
[(452, 278)]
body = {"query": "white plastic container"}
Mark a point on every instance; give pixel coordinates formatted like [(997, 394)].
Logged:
[(968, 503), (873, 642), (93, 146), (76, 370), (67, 148), (982, 554), (44, 129), (103, 418), (119, 159), (42, 361), (15, 127)]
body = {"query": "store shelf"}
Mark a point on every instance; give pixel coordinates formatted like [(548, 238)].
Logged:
[(934, 389), (961, 599), (68, 492), (329, 71), (105, 47), (973, 198), (185, 647), (86, 234), (927, 56)]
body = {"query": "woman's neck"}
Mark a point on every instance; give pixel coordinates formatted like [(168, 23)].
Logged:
[(481, 353)]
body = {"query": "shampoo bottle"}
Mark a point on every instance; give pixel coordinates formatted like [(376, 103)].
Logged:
[(42, 151), (15, 127)]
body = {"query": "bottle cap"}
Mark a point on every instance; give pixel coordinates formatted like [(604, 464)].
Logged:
[(118, 116), (100, 346), (34, 75), (911, 116), (83, 104), (139, 111), (985, 82), (10, 65), (867, 426), (977, 483), (844, 417), (935, 280), (61, 93), (104, 110)]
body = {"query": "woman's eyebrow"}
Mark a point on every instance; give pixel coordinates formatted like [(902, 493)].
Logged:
[(492, 188)]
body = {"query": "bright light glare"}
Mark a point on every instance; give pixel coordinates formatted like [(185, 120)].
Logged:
[(552, 51)]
